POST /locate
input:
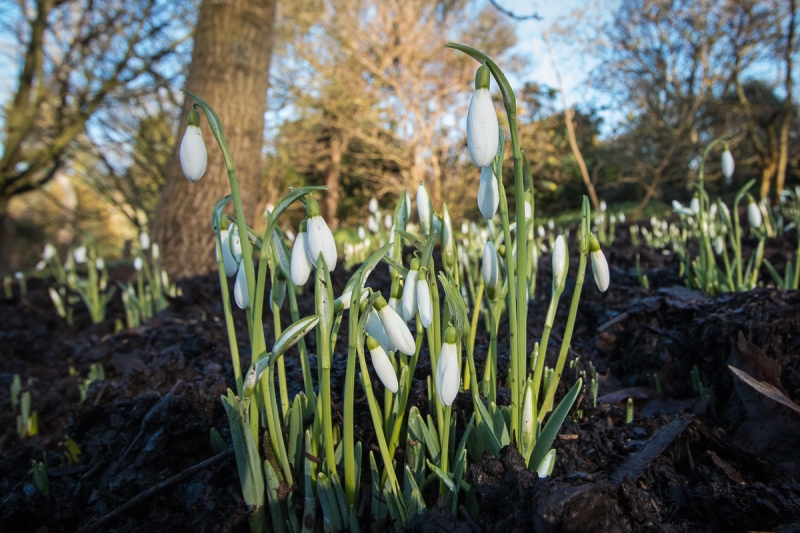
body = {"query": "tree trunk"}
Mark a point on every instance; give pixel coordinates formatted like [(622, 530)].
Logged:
[(230, 71), (331, 201)]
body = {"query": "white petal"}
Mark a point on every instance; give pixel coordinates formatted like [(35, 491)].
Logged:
[(301, 266), (320, 240), (375, 328), (600, 270), (397, 305), (559, 260), (193, 154), (383, 367), (754, 215), (424, 209), (447, 378), (397, 330), (240, 292), (228, 261), (482, 128), (488, 193), (424, 303), (490, 266), (144, 241), (728, 165), (410, 295)]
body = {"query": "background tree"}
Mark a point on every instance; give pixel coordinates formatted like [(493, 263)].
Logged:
[(230, 70)]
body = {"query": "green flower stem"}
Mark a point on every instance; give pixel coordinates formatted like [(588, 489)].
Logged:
[(285, 405), (445, 448), (737, 234), (541, 353), (276, 428), (229, 326), (583, 238), (490, 370), (308, 383)]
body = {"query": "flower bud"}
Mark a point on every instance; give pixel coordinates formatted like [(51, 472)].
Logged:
[(395, 327), (137, 264), (144, 240), (491, 271), (424, 304), (409, 304), (373, 205), (599, 265), (241, 294), (156, 251), (193, 155), (319, 239), (80, 254), (382, 365), (301, 265), (49, 252), (448, 244), (447, 376), (728, 166), (229, 262), (560, 265), (754, 215), (488, 193), (482, 128), (424, 209)]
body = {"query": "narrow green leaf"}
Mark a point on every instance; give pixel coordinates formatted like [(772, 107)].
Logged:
[(550, 429)]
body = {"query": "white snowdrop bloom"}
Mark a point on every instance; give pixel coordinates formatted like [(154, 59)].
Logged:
[(528, 426), (712, 211), (137, 264), (409, 303), (99, 264), (560, 265), (80, 254), (694, 205), (719, 245), (395, 327), (482, 128), (193, 155), (491, 271), (541, 232), (19, 275), (361, 233), (382, 365), (465, 229), (301, 265), (551, 225), (49, 252), (144, 240), (375, 328), (40, 265), (448, 243), (228, 260), (528, 209), (319, 239), (268, 209), (373, 205), (599, 265), (488, 193), (754, 215), (372, 225), (156, 252), (347, 296), (622, 218), (424, 209), (387, 221), (728, 166), (290, 235), (447, 376), (603, 206), (240, 292), (424, 304)]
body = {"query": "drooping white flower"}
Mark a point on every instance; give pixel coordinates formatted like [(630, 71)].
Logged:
[(156, 252), (144, 240), (372, 225), (240, 292), (728, 166), (193, 155), (447, 376), (424, 209), (80, 254), (373, 205), (622, 218), (482, 128), (137, 263), (49, 252), (320, 239), (229, 262), (599, 265), (99, 264), (560, 265), (754, 215), (382, 365), (301, 265), (424, 304), (375, 328), (40, 265), (409, 303), (488, 193), (361, 233), (491, 271), (694, 205), (395, 327), (603, 206), (387, 221)]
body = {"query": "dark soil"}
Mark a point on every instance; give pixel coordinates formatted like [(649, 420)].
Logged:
[(727, 460)]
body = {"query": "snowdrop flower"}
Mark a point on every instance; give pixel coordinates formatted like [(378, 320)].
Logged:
[(694, 205), (301, 264), (754, 215), (289, 235), (373, 205), (229, 262), (144, 240), (541, 232), (424, 305), (99, 264), (728, 166), (599, 265), (382, 365), (345, 299), (137, 264), (424, 209), (361, 233), (193, 155), (622, 218), (240, 291), (724, 213), (551, 225), (448, 244), (719, 245), (49, 252), (491, 271), (488, 193), (409, 303), (372, 225), (528, 426), (40, 265), (447, 377), (395, 327), (465, 229), (80, 254), (319, 239), (156, 252), (387, 221), (560, 265), (375, 328), (528, 206), (482, 128), (603, 206)]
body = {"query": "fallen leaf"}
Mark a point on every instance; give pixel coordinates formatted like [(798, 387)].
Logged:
[(765, 388)]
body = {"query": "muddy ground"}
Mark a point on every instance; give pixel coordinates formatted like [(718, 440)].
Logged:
[(725, 460)]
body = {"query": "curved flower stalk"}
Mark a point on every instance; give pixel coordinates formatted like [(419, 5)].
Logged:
[(599, 265), (382, 365), (482, 127), (193, 155), (488, 193)]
